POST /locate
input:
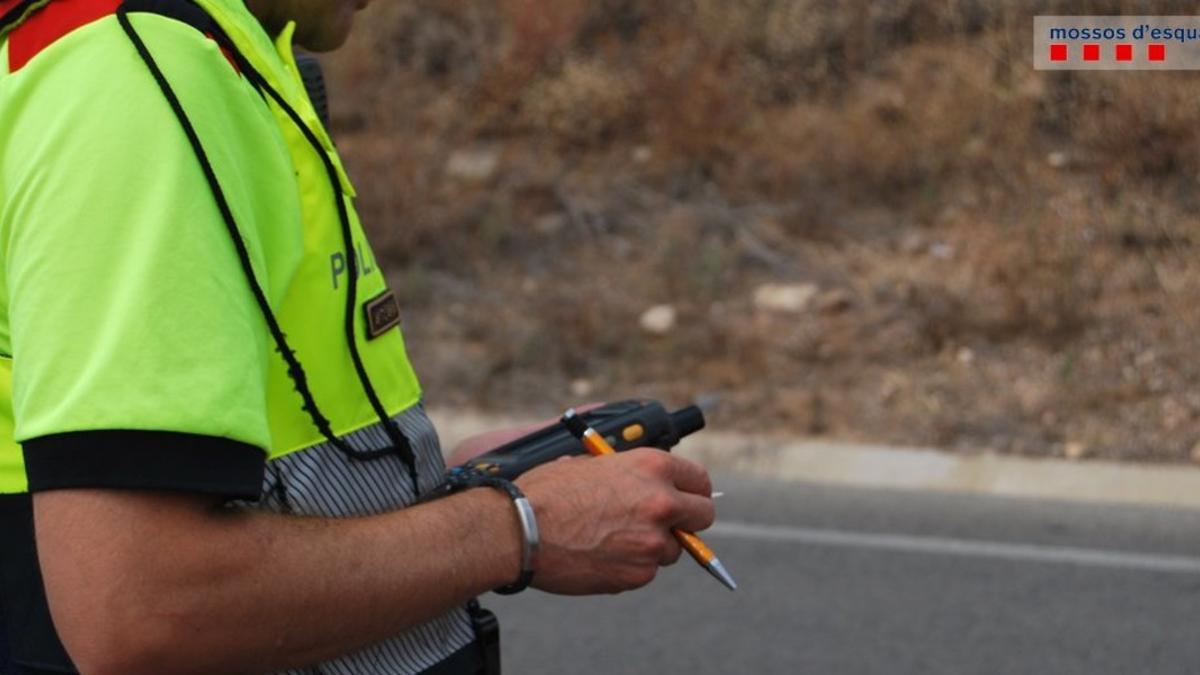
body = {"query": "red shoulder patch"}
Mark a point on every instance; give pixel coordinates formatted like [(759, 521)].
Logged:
[(50, 23)]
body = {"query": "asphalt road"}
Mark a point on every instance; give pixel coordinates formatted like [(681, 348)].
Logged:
[(838, 580)]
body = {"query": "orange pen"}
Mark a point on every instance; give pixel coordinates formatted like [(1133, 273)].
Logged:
[(595, 444)]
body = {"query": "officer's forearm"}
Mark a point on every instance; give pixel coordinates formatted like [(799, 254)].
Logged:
[(157, 583)]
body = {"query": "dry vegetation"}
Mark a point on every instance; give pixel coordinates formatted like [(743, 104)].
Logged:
[(1005, 257)]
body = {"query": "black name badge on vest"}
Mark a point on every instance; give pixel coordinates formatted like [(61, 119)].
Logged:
[(382, 313)]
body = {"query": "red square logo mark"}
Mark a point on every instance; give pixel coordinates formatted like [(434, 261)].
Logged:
[(1058, 52), (1124, 52), (1156, 52), (1091, 52)]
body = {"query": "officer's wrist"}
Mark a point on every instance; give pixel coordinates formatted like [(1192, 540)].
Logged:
[(498, 522), (503, 534), (527, 523)]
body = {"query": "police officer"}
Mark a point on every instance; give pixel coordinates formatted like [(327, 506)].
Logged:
[(209, 427)]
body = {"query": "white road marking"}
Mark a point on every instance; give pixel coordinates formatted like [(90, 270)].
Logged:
[(1041, 553)]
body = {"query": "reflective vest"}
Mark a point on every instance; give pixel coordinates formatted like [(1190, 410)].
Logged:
[(122, 305)]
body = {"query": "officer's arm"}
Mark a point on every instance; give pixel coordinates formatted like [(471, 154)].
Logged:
[(156, 583)]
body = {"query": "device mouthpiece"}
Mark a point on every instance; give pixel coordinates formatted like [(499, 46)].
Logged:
[(574, 423)]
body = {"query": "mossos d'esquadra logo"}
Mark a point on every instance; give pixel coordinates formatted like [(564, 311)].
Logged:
[(1116, 42)]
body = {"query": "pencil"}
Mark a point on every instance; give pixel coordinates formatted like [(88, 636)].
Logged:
[(595, 444)]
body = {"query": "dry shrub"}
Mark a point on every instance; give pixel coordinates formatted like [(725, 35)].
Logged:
[(696, 111), (1030, 284), (710, 146), (930, 117), (538, 39), (445, 43), (542, 31), (1132, 125), (585, 104), (791, 48)]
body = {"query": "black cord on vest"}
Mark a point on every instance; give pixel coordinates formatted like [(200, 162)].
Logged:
[(352, 261), (295, 370), (18, 12)]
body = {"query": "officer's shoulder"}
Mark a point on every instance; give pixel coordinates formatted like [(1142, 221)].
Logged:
[(45, 24)]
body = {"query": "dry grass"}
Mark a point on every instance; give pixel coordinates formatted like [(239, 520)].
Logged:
[(1013, 248)]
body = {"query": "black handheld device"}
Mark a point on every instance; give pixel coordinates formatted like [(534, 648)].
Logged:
[(624, 424)]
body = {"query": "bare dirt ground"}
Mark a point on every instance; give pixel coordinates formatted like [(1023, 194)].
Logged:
[(862, 221)]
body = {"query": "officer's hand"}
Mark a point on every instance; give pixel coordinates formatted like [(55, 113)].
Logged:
[(605, 522)]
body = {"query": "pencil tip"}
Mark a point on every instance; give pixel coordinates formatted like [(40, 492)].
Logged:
[(718, 570)]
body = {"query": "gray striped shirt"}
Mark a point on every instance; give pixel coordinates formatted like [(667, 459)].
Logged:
[(322, 481)]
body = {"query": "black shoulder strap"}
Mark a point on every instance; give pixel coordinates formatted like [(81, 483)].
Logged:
[(10, 18), (181, 10), (193, 15)]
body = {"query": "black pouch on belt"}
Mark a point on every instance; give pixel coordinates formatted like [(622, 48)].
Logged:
[(487, 636)]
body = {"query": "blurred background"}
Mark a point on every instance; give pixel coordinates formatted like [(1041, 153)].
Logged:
[(843, 221), (855, 220)]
